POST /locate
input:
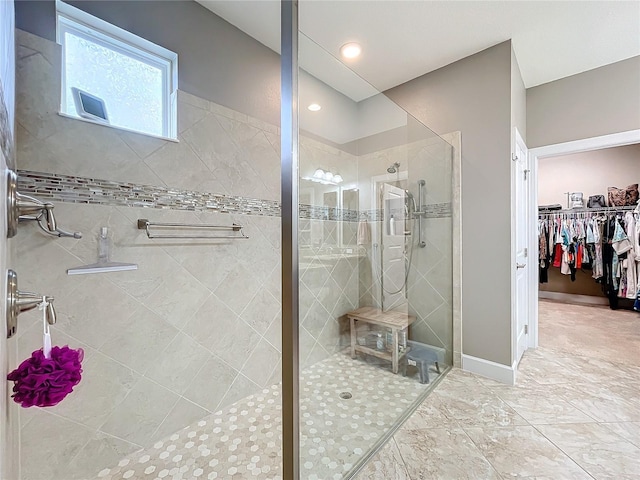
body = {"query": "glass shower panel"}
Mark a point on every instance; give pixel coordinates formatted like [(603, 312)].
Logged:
[(181, 366), (375, 265)]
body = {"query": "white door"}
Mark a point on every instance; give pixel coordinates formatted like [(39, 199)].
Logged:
[(524, 259), (8, 411), (393, 258)]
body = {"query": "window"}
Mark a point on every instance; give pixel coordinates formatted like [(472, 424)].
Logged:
[(113, 77)]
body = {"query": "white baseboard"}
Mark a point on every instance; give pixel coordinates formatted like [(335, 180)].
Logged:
[(485, 368)]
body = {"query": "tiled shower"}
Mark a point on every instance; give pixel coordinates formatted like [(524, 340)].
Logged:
[(176, 350)]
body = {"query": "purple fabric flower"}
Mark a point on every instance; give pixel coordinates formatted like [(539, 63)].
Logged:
[(44, 382)]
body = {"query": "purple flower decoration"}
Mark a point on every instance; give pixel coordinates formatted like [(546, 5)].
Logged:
[(44, 382)]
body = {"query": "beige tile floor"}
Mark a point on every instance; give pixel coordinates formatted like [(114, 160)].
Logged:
[(573, 414)]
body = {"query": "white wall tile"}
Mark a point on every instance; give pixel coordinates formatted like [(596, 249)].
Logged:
[(138, 344), (211, 384), (105, 384), (240, 388), (138, 416), (100, 451), (182, 414), (49, 443), (238, 288), (177, 166), (176, 366), (260, 364), (261, 311), (95, 311), (177, 298)]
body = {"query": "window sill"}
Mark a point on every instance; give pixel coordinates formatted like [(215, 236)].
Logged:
[(86, 120)]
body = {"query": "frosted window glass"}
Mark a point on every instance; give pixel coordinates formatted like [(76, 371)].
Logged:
[(131, 89)]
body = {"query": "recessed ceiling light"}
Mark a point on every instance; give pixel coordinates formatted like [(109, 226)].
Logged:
[(314, 107), (351, 50)]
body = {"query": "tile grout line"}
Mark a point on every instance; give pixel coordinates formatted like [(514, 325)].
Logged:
[(477, 447), (404, 462), (565, 453)]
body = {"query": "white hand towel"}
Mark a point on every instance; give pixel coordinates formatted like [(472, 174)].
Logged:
[(364, 233)]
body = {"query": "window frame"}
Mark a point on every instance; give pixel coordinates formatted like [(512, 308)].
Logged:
[(72, 20)]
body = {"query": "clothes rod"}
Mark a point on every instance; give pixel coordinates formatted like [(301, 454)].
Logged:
[(144, 224), (614, 209)]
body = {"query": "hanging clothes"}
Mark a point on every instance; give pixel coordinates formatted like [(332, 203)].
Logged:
[(629, 264), (607, 243), (594, 239), (636, 247), (620, 241), (543, 250), (609, 263)]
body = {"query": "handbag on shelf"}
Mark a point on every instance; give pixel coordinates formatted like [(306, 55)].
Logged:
[(596, 201), (623, 197), (576, 200)]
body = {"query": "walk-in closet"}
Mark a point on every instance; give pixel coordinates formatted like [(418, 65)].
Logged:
[(589, 228)]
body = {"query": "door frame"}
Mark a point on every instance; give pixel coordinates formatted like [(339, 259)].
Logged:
[(565, 148), (518, 140)]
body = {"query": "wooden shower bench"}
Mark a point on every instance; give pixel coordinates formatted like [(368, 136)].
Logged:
[(396, 321)]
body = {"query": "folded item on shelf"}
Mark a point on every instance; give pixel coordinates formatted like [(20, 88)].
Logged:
[(549, 208)]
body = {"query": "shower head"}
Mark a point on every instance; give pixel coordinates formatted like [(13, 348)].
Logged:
[(394, 168)]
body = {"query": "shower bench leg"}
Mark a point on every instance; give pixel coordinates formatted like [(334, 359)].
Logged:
[(353, 337)]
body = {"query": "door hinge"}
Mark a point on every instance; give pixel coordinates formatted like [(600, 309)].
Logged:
[(526, 173), (514, 156), (526, 252), (526, 329)]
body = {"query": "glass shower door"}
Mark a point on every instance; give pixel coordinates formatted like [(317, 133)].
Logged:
[(365, 254)]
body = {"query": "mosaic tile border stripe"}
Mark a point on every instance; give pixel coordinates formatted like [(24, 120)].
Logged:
[(72, 189), (433, 210), (438, 210)]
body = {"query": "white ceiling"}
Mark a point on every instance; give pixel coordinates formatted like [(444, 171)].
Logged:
[(405, 39)]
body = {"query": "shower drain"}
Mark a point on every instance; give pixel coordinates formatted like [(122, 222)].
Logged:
[(345, 395)]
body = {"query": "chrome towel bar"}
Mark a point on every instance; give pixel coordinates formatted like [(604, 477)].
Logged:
[(144, 224)]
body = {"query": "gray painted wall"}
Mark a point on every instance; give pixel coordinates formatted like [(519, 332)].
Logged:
[(35, 16), (591, 173), (518, 100), (473, 95), (597, 102)]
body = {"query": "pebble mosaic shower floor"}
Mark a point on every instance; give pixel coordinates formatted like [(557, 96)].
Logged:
[(243, 441)]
